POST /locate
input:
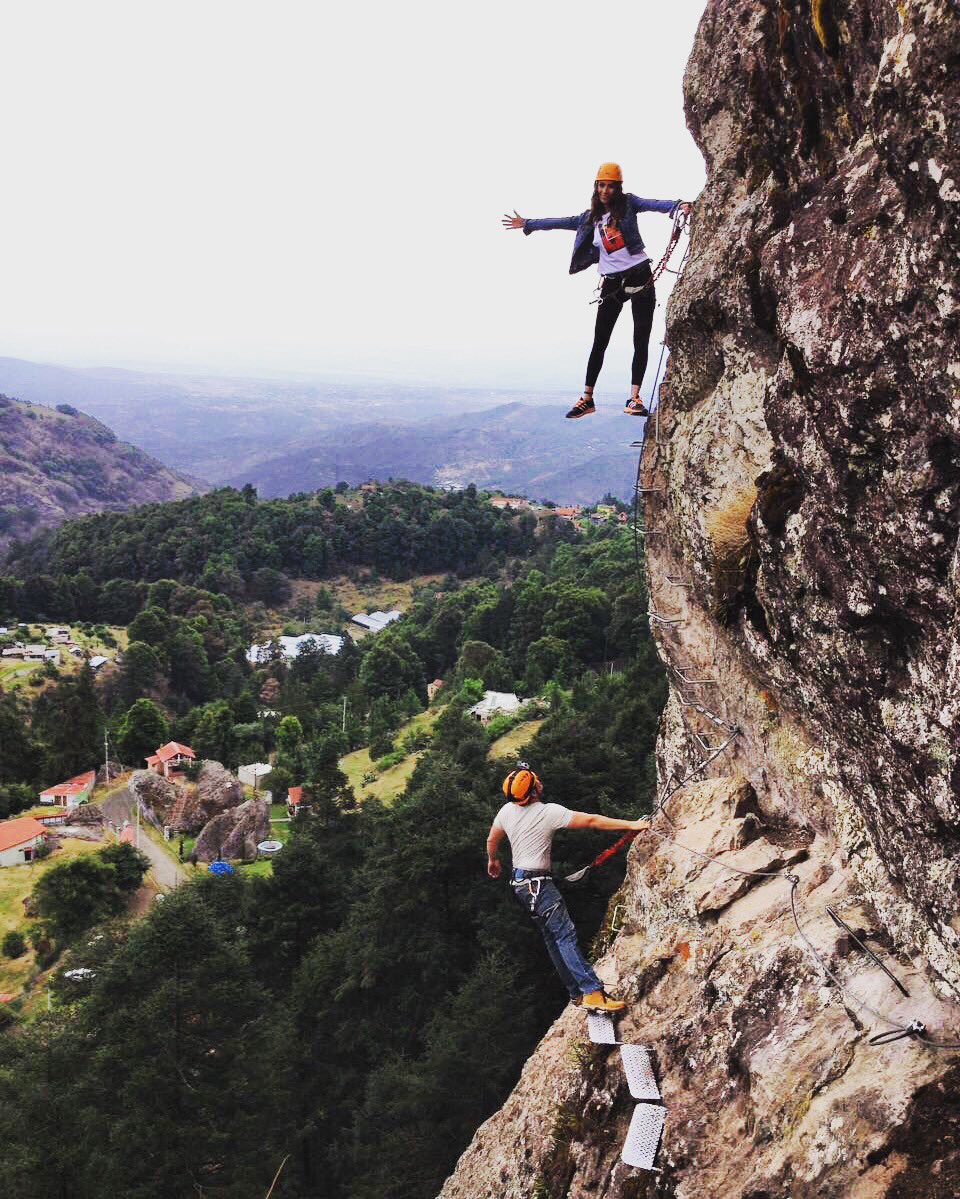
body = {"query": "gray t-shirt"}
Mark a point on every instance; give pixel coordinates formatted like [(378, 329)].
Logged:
[(530, 828)]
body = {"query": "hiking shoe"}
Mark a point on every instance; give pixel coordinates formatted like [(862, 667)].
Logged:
[(583, 407), (599, 1001), (636, 408), (576, 1000)]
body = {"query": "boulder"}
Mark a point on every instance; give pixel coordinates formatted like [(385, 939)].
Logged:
[(235, 833), (155, 793), (218, 789), (88, 814)]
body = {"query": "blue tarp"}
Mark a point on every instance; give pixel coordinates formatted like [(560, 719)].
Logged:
[(221, 868)]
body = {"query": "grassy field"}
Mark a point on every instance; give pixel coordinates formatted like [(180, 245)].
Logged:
[(510, 744), (388, 785), (16, 883), (16, 674)]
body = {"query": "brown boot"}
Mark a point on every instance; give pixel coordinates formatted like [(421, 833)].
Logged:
[(598, 1001)]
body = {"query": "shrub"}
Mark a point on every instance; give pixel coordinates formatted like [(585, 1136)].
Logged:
[(389, 760), (14, 944)]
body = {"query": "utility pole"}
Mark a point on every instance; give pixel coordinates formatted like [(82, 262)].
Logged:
[(138, 822), (344, 727), (106, 757)]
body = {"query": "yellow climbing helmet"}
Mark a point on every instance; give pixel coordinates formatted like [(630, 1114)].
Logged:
[(521, 784), (609, 172)]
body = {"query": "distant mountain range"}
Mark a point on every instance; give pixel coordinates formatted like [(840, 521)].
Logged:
[(286, 436), (58, 463)]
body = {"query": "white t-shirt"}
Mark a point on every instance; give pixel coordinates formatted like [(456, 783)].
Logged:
[(530, 828), (614, 255)]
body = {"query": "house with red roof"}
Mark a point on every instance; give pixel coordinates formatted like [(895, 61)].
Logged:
[(295, 802), (19, 840), (168, 757), (73, 792)]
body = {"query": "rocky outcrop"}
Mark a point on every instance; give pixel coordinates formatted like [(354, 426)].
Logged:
[(157, 795), (235, 833), (804, 495), (216, 791)]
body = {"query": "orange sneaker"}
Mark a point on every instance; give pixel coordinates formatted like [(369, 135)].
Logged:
[(599, 1001)]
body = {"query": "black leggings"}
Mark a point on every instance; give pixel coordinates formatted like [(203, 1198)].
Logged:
[(612, 300)]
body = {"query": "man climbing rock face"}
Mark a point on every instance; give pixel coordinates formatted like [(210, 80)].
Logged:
[(530, 825)]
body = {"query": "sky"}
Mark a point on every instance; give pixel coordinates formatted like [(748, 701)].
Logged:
[(306, 188)]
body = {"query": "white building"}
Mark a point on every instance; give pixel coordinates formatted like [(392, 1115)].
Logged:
[(376, 621), (290, 647), (495, 703), (254, 774), (19, 840)]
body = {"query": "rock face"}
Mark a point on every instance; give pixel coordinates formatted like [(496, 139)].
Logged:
[(805, 529), (235, 833), (216, 791), (157, 795)]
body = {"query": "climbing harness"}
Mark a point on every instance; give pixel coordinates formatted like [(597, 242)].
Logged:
[(624, 291)]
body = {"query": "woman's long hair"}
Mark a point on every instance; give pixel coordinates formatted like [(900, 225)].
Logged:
[(618, 206)]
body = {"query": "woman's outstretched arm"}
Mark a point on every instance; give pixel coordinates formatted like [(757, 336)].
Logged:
[(640, 204), (548, 222)]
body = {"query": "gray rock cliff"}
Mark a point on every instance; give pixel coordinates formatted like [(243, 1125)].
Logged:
[(805, 491)]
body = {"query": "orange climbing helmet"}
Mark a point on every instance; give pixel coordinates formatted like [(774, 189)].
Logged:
[(522, 784), (609, 172)]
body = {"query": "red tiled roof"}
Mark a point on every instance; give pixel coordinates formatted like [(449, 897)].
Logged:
[(294, 795), (152, 760), (129, 835), (18, 832), (74, 786), (172, 749)]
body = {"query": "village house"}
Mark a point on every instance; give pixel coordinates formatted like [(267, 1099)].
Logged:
[(376, 621), (168, 757), (73, 792), (19, 840), (566, 513), (495, 703), (290, 647), (509, 501), (433, 688), (97, 662), (295, 804), (254, 774)]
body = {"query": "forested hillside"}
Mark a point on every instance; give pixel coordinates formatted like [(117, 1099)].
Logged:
[(232, 543), (358, 1011)]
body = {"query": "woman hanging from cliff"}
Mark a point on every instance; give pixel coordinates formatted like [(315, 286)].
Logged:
[(607, 234)]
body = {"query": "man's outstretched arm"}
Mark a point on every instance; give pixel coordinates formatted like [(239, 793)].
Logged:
[(593, 820), (494, 837)]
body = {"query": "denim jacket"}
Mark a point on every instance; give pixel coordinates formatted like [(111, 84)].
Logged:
[(585, 253)]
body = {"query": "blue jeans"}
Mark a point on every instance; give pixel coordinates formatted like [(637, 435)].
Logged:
[(541, 899)]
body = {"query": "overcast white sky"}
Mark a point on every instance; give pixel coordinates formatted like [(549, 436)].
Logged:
[(307, 187)]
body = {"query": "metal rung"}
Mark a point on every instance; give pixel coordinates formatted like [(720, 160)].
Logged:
[(648, 490), (601, 1029), (664, 619), (676, 581), (643, 1137), (639, 1071), (649, 532), (681, 671), (705, 744)]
